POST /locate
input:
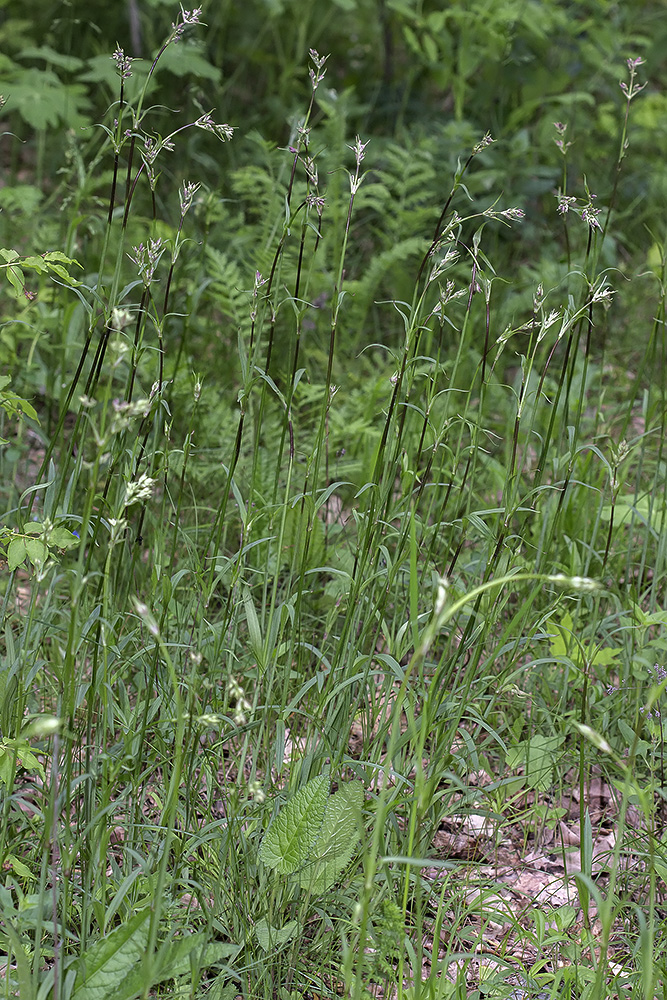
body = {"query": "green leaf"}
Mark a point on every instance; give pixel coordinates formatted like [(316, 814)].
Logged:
[(287, 842), (16, 553), (22, 964), (188, 59), (254, 630), (16, 279), (50, 55), (63, 538), (36, 550), (170, 961), (272, 937), (23, 198), (25, 757), (337, 840), (60, 257), (18, 867), (34, 263), (108, 961), (647, 510), (537, 756), (44, 101), (12, 403)]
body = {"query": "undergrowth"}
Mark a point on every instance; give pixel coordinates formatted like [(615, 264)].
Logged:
[(335, 561)]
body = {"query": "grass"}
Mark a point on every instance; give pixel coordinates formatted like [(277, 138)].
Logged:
[(333, 624)]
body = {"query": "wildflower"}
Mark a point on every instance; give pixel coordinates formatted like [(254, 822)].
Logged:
[(123, 63), (312, 201), (547, 323), (137, 408), (150, 149), (237, 695), (589, 213), (448, 293), (120, 318), (560, 141), (317, 75), (659, 673), (117, 526), (565, 203), (485, 141), (632, 89), (256, 792), (602, 293), (516, 214), (311, 170), (186, 194), (188, 17), (449, 258), (359, 149), (154, 146), (223, 132), (147, 259), (141, 489)]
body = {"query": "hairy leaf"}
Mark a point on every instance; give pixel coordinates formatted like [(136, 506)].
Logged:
[(288, 840), (337, 840)]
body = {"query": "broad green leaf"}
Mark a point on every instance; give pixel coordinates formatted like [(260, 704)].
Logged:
[(646, 510), (287, 842), (103, 967), (63, 538), (36, 550), (16, 553), (337, 840), (13, 404), (25, 757), (20, 198), (50, 55), (61, 258), (16, 279), (34, 263), (170, 961), (18, 867), (188, 59), (44, 101), (272, 937), (173, 960), (537, 756)]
